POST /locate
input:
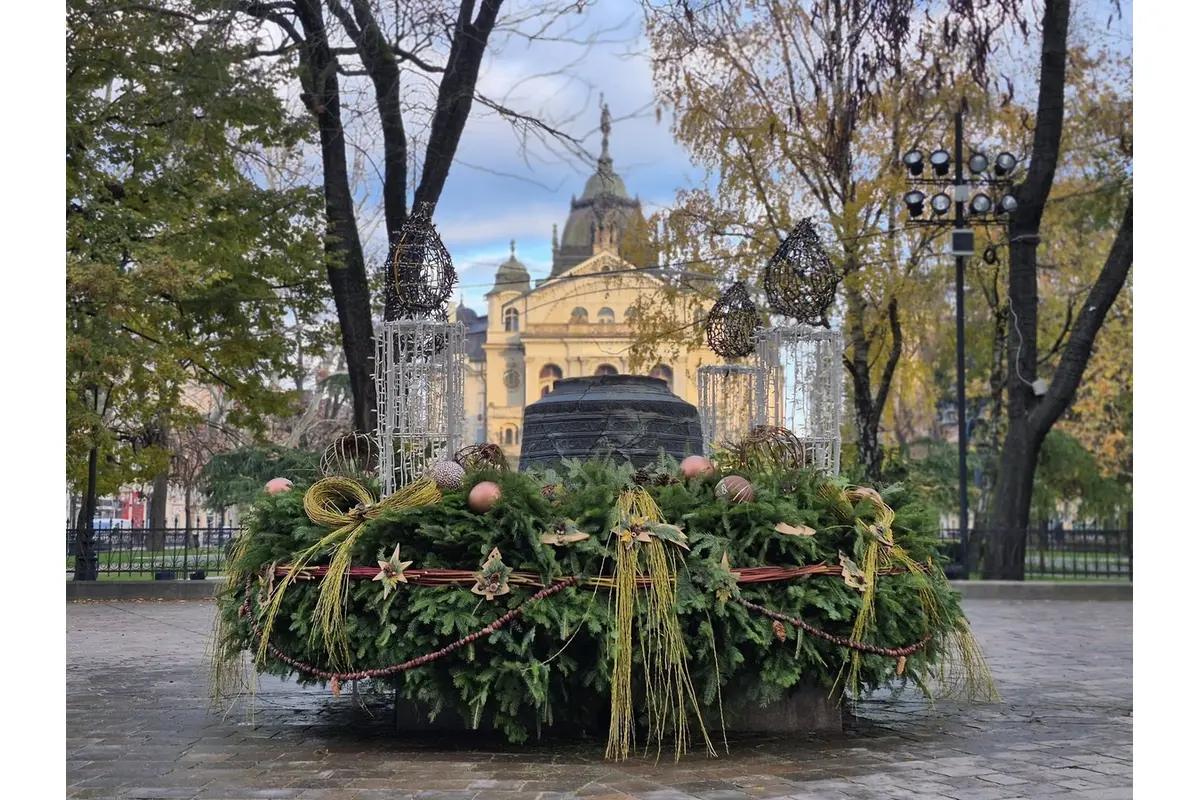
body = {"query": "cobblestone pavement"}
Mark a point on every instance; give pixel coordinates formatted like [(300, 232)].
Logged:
[(137, 728)]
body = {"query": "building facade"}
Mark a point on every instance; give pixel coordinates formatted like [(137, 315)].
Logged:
[(574, 323)]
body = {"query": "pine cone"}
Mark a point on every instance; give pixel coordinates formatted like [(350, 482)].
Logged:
[(780, 631)]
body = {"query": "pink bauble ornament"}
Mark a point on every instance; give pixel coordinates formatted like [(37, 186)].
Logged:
[(277, 485), (483, 497), (696, 467), (735, 489)]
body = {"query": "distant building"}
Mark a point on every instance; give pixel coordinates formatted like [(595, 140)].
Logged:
[(573, 323)]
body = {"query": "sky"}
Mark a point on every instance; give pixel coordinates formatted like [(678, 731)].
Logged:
[(500, 190)]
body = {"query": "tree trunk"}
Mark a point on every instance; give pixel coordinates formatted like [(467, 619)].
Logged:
[(1004, 542), (347, 267), (868, 406), (456, 93), (192, 537), (87, 560), (1031, 417), (157, 513)]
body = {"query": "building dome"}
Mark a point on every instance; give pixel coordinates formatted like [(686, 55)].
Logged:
[(511, 275), (464, 315), (604, 182), (605, 203)]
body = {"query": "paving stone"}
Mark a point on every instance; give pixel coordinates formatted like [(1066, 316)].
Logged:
[(1108, 793), (138, 725)]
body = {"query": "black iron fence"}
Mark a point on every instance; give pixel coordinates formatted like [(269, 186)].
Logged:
[(179, 553), (1054, 553), (156, 553)]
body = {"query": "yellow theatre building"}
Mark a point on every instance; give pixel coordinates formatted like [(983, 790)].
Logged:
[(573, 323)]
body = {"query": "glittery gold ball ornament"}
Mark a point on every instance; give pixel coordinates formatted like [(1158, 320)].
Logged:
[(696, 467), (447, 475), (277, 485), (735, 489), (483, 497)]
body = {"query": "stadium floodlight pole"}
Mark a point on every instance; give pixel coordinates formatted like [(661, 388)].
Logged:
[(962, 245), (960, 267)]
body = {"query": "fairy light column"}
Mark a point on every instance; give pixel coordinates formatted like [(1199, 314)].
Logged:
[(802, 362), (420, 357)]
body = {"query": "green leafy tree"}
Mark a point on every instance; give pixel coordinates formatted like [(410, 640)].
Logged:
[(178, 259), (235, 478)]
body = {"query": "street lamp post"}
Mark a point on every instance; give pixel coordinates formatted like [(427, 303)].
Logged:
[(979, 210)]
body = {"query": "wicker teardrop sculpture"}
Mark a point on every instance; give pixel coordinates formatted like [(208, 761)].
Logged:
[(800, 282), (732, 323), (419, 273)]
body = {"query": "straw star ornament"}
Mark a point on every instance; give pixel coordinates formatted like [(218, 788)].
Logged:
[(391, 572)]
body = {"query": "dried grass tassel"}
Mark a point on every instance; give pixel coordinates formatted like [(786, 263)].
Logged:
[(621, 719)]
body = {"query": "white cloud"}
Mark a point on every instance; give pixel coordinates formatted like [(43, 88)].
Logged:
[(499, 222)]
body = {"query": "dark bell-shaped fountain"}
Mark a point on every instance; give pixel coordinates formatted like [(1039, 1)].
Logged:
[(626, 417)]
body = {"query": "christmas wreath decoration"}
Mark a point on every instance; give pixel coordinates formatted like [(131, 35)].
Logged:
[(658, 604)]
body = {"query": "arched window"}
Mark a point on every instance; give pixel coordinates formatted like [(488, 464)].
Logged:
[(606, 369), (579, 316), (548, 374), (512, 436), (606, 316), (512, 320), (631, 314), (663, 372)]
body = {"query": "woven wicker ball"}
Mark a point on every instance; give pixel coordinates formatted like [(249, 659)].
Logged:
[(735, 489), (447, 475)]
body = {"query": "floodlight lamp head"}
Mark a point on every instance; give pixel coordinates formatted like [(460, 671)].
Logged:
[(977, 163), (1006, 162), (981, 204), (915, 161), (916, 203), (940, 203), (940, 161), (1008, 204)]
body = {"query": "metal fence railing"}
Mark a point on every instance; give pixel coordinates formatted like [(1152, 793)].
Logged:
[(1081, 553), (177, 553), (156, 553)]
